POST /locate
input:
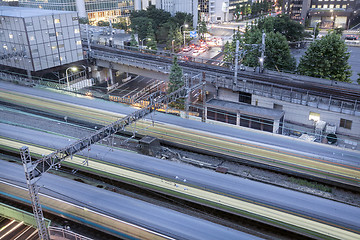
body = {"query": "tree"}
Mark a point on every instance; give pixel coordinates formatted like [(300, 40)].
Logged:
[(358, 81), (175, 38), (292, 30), (103, 23), (84, 20), (202, 29), (138, 25), (316, 30), (228, 54), (133, 42), (175, 78), (121, 24), (277, 53), (327, 58), (151, 41)]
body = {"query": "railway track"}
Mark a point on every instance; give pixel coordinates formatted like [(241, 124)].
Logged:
[(263, 211), (319, 167)]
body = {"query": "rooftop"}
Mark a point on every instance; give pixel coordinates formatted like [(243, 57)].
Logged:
[(27, 12), (244, 108)]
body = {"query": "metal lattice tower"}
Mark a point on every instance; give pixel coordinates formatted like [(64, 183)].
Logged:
[(33, 192), (35, 169)]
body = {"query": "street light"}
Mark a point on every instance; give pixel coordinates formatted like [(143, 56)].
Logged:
[(67, 76), (142, 42), (185, 25)]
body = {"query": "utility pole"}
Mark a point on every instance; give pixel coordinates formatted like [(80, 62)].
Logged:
[(203, 117), (262, 58), (236, 62)]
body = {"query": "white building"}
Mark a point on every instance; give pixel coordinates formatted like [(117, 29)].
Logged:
[(174, 6), (218, 11), (36, 40)]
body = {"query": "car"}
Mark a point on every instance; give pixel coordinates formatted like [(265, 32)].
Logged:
[(186, 49), (196, 53), (201, 50), (242, 67), (351, 37)]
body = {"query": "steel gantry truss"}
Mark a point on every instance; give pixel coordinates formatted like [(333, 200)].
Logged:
[(35, 169)]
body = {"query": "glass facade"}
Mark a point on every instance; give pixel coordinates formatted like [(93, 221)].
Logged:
[(97, 10)]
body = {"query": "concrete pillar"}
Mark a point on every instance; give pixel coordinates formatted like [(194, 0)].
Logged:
[(276, 126), (238, 119), (110, 76)]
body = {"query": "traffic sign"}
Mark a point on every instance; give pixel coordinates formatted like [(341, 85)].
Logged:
[(193, 34)]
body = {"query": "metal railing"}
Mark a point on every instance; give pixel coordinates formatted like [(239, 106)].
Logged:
[(61, 233)]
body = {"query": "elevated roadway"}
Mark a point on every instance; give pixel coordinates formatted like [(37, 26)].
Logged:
[(285, 154), (298, 212), (297, 83)]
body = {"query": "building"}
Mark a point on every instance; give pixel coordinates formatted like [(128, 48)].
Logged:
[(203, 10), (37, 40), (218, 11), (297, 9), (245, 115), (92, 9), (174, 6), (333, 13)]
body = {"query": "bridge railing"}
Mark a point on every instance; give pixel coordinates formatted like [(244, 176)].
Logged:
[(288, 94)]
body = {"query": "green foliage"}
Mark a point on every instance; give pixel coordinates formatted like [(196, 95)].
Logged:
[(84, 20), (316, 31), (358, 80), (175, 78), (177, 37), (133, 42), (138, 25), (151, 41), (229, 54), (202, 29), (292, 30), (103, 23), (162, 22), (277, 53), (339, 30), (120, 24), (309, 184), (327, 58)]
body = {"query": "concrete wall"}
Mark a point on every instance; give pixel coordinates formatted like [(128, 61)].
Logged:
[(300, 115), (228, 95)]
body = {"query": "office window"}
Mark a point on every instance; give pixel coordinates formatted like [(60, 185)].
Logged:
[(59, 34), (325, 6), (345, 123), (32, 38), (76, 30), (11, 35), (78, 42), (313, 6), (57, 20), (53, 47), (337, 6), (344, 6), (61, 45), (75, 18), (52, 34)]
